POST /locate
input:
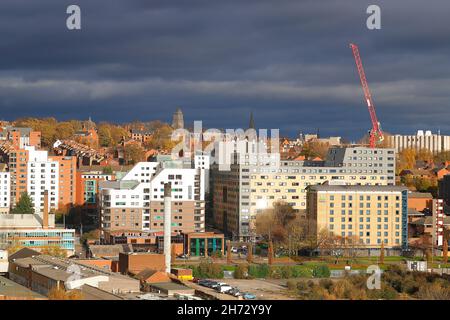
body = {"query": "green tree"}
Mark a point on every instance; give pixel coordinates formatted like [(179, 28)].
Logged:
[(24, 206), (107, 170)]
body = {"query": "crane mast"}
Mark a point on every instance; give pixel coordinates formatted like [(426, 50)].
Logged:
[(375, 134)]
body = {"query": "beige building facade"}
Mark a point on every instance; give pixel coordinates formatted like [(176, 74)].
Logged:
[(369, 215)]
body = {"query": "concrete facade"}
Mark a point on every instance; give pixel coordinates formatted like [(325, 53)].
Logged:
[(422, 140)]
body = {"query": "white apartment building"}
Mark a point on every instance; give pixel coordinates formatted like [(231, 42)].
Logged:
[(43, 174), (203, 162), (136, 202), (5, 192), (422, 140)]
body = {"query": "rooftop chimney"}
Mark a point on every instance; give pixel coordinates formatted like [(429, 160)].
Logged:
[(46, 210), (167, 224)]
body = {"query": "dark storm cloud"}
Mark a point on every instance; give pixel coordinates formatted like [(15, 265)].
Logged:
[(288, 61)]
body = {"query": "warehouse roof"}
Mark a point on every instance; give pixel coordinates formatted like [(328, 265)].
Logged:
[(9, 288)]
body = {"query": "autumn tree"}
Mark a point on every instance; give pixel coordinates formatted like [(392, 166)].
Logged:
[(228, 252), (445, 247), (270, 253), (133, 153), (54, 251), (424, 155), (161, 138), (406, 159), (64, 130), (281, 224), (324, 240), (117, 134), (382, 253), (250, 253), (312, 149), (104, 135), (24, 205), (58, 293)]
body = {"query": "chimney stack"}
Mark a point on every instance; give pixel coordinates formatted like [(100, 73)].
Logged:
[(167, 224), (46, 210)]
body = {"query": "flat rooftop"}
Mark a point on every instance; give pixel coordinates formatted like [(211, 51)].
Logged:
[(327, 187)]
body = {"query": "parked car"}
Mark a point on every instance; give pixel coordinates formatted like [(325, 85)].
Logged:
[(234, 249), (183, 256), (223, 288), (218, 284), (249, 296), (212, 284), (234, 292), (205, 282)]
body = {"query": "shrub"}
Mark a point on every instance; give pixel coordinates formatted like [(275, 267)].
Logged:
[(207, 269), (259, 271), (286, 272), (325, 283), (274, 272), (302, 285), (292, 285), (321, 271), (241, 271)]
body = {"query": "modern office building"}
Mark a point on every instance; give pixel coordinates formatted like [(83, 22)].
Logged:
[(422, 140), (367, 215), (255, 181), (136, 202)]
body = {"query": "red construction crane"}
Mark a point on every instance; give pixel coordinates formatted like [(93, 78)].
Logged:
[(375, 134)]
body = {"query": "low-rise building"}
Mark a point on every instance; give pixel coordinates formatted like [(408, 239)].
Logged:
[(43, 273), (36, 231)]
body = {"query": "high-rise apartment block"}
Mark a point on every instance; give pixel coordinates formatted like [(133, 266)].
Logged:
[(5, 189), (252, 185), (42, 174), (366, 215), (67, 181), (136, 202), (422, 140), (34, 172)]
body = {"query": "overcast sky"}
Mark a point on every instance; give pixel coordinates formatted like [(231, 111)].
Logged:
[(288, 61)]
